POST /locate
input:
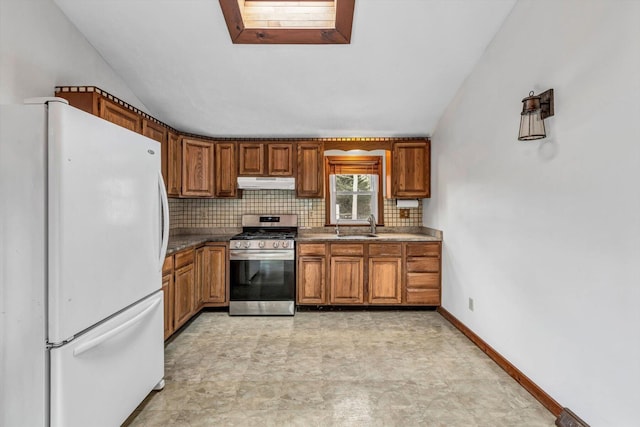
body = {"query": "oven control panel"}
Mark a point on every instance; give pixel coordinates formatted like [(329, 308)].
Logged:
[(263, 244)]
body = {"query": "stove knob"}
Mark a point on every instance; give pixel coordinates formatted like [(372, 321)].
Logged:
[(285, 244), (261, 244), (238, 244), (276, 244), (247, 245)]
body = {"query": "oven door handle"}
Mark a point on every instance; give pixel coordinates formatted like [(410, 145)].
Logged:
[(240, 255)]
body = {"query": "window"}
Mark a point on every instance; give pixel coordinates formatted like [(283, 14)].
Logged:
[(353, 189)]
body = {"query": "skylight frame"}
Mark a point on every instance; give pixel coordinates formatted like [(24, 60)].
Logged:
[(340, 34)]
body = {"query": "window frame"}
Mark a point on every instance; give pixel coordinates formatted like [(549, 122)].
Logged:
[(351, 165)]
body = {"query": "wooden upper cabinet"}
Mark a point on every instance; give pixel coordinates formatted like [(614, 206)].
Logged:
[(197, 167), (265, 159), (119, 115), (174, 165), (411, 170), (310, 172), (280, 159), (251, 159), (226, 180), (158, 132)]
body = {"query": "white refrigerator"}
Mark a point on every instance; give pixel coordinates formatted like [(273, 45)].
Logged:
[(83, 233)]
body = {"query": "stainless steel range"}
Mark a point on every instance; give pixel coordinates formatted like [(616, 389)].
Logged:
[(262, 259)]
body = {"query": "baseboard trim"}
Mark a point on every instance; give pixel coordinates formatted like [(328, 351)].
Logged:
[(547, 401)]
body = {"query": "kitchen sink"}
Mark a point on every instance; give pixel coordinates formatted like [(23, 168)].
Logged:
[(358, 236)]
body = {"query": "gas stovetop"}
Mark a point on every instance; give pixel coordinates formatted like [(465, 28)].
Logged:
[(262, 232), (265, 235)]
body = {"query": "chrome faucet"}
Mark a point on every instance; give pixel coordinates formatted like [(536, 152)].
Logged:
[(337, 227), (372, 224)]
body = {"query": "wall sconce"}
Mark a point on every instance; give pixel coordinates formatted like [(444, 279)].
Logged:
[(535, 108)]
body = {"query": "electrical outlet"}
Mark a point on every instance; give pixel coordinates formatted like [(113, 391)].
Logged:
[(471, 304), (404, 213)]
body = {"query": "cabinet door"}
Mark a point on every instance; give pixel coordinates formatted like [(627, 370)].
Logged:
[(310, 173), (385, 280), (174, 165), (212, 267), (184, 283), (226, 180), (120, 115), (251, 161), (411, 170), (347, 280), (280, 159), (311, 283), (167, 290), (158, 132), (197, 168)]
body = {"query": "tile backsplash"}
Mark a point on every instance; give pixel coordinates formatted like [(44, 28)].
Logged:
[(208, 213)]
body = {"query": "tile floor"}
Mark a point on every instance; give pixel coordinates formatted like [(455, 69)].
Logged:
[(338, 368)]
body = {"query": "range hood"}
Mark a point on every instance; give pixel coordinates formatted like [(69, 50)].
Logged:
[(266, 183)]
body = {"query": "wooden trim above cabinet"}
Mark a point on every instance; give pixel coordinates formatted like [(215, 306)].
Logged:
[(307, 163)]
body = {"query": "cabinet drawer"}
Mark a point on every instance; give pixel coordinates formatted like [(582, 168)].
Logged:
[(347, 249), (167, 266), (312, 249), (385, 249), (423, 249), (423, 296), (184, 258), (423, 264), (423, 280)]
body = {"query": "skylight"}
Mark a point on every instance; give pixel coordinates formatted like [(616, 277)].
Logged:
[(289, 21)]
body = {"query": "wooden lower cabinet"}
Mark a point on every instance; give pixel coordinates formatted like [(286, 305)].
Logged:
[(347, 280), (184, 294), (192, 279), (393, 273), (385, 273), (311, 273), (311, 283), (423, 269), (168, 290), (211, 261), (385, 281), (184, 287), (346, 273)]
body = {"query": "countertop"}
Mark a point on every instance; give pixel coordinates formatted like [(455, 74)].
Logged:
[(183, 241), (381, 237), (185, 238)]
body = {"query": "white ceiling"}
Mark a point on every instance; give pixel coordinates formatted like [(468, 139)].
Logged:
[(406, 60)]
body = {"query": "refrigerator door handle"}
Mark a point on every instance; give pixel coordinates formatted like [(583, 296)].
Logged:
[(165, 221), (83, 348)]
